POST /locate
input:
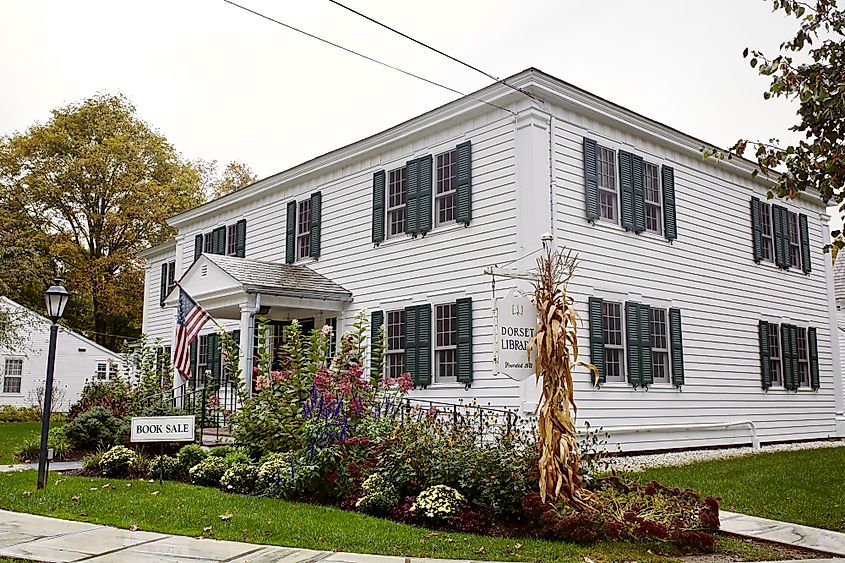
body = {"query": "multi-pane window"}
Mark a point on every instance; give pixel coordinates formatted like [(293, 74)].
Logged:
[(231, 240), (303, 230), (102, 370), (794, 242), (202, 358), (774, 354), (659, 345), (444, 201), (332, 323), (614, 351), (171, 276), (396, 189), (766, 238), (606, 168), (207, 243), (651, 186), (12, 375), (395, 352), (803, 358), (446, 344)]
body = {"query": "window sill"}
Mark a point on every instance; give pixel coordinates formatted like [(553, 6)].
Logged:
[(616, 227), (434, 232), (771, 264)]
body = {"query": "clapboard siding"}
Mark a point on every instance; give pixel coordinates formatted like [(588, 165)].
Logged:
[(709, 273), (158, 322)]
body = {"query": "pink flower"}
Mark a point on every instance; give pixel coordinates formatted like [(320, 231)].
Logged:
[(262, 383), (432, 411), (328, 398), (389, 381), (322, 379), (345, 386), (355, 371), (405, 382), (278, 376), (357, 406)]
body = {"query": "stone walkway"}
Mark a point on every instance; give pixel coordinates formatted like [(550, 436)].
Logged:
[(51, 540), (54, 466)]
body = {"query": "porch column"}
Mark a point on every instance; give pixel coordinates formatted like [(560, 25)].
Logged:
[(245, 346)]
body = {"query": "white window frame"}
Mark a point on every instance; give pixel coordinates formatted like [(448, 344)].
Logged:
[(607, 190), (803, 361), (658, 350), (207, 243), (794, 229), (394, 318), (767, 238), (303, 231), (232, 240), (105, 371), (658, 230), (776, 375), (450, 194), (620, 347), (202, 357), (18, 376), (171, 275), (394, 212), (445, 350)]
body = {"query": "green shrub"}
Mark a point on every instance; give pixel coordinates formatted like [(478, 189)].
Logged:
[(8, 413), (437, 503), (208, 472), (166, 466), (273, 471), (29, 449), (221, 451), (237, 456), (94, 429), (117, 461), (380, 496), (190, 455), (115, 395), (91, 463), (239, 478), (140, 465)]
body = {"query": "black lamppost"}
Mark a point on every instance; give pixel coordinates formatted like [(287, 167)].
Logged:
[(56, 298)]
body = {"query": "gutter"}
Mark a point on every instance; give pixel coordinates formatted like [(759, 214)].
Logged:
[(325, 296)]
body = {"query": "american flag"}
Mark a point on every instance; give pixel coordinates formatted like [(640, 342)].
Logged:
[(189, 321)]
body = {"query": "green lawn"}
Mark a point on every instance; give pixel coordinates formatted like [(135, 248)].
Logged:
[(189, 510), (11, 435), (804, 487)]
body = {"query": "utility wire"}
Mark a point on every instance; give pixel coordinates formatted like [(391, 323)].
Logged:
[(363, 56), (436, 50)]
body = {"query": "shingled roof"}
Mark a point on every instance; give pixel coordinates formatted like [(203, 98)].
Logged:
[(288, 278)]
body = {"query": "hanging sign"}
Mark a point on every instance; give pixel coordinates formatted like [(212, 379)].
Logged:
[(162, 429), (517, 321)]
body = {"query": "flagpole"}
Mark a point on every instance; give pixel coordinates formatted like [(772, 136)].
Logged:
[(211, 318)]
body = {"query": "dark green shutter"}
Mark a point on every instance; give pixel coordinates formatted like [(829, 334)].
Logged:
[(463, 309), (793, 347), (591, 180), (804, 233), (676, 341), (378, 206), (632, 333), (193, 358), (813, 347), (411, 342), (198, 244), (424, 211), (670, 220), (218, 240), (412, 189), (765, 360), (240, 238), (290, 234), (162, 290), (316, 224), (646, 373), (639, 193), (596, 317), (213, 355), (756, 229), (789, 375), (463, 195), (423, 345), (376, 345), (780, 228), (626, 186)]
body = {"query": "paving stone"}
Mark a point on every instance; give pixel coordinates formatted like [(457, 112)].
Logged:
[(181, 546), (40, 525), (783, 532), (363, 558), (33, 550), (285, 555), (100, 540), (11, 538)]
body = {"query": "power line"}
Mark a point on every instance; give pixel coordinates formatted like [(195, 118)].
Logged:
[(363, 56), (436, 50)]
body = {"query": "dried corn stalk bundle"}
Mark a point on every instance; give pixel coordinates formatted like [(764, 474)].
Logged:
[(554, 349)]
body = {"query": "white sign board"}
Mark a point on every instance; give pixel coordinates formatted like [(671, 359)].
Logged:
[(162, 429), (517, 321)]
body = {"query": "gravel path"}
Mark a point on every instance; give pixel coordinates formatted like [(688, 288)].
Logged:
[(640, 462)]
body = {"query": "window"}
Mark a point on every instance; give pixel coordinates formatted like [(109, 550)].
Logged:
[(446, 348), (651, 186), (102, 370), (794, 242), (774, 354), (13, 375), (606, 167), (803, 358), (202, 358), (171, 276), (207, 243), (614, 351), (303, 230), (766, 232), (447, 174), (231, 240), (332, 323), (396, 189), (395, 352), (659, 345)]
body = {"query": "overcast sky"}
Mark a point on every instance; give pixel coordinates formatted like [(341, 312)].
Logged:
[(223, 84)]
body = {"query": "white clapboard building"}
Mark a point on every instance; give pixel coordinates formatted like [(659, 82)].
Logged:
[(707, 308), (23, 368)]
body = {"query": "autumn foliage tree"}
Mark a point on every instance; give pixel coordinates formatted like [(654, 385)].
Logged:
[(84, 192)]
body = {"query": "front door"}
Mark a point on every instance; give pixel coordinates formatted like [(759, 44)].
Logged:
[(277, 341)]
